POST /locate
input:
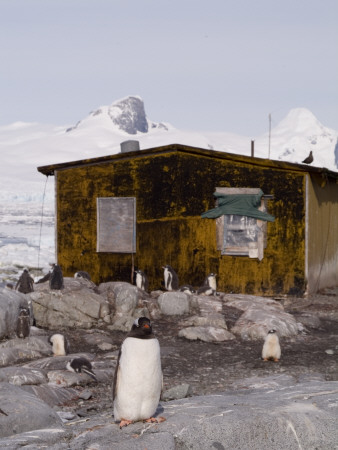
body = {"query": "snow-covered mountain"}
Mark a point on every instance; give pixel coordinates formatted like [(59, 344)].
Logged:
[(25, 146)]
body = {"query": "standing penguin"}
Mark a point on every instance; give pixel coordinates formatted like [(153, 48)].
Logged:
[(170, 278), (23, 324), (211, 281), (56, 278), (79, 365), (271, 348), (59, 344), (25, 283), (141, 280), (138, 376)]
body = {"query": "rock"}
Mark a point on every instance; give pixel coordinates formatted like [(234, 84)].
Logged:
[(22, 411), (212, 320), (244, 302), (75, 305), (174, 303), (255, 322), (308, 320), (329, 352), (22, 375), (177, 392), (15, 350), (206, 334), (10, 302)]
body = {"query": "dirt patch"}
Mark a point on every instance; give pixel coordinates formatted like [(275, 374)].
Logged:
[(210, 368)]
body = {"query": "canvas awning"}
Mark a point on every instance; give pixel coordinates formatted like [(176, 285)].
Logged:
[(239, 204)]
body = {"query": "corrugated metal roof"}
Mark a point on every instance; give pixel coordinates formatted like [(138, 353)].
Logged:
[(283, 165)]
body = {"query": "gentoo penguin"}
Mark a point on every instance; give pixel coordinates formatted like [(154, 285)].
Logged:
[(56, 278), (25, 283), (308, 159), (187, 289), (79, 365), (206, 290), (23, 324), (170, 278), (82, 274), (271, 348), (138, 376), (59, 344), (141, 280), (211, 281)]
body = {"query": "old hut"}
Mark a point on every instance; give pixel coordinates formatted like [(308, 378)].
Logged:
[(263, 226)]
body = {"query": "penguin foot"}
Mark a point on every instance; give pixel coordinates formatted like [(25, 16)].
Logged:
[(125, 423), (275, 359), (265, 359), (154, 420)]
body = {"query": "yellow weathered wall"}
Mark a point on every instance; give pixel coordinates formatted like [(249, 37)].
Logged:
[(172, 190), (322, 237)]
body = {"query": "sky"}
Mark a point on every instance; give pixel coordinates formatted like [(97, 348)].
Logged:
[(217, 65)]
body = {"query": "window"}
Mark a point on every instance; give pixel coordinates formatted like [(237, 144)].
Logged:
[(238, 233), (116, 224)]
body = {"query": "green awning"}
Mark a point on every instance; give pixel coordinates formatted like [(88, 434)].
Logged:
[(239, 204)]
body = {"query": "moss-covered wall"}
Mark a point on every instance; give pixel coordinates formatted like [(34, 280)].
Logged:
[(172, 189)]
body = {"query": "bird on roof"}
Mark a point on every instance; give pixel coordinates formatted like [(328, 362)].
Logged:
[(308, 159)]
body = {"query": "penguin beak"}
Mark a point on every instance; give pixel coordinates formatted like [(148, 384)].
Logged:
[(146, 325)]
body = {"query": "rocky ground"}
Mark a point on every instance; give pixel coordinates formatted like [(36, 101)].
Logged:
[(210, 368)]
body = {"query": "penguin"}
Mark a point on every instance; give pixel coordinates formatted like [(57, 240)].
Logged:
[(79, 365), (206, 290), (82, 274), (138, 378), (271, 348), (25, 283), (187, 289), (59, 344), (23, 324), (170, 278), (141, 280), (308, 159), (44, 278), (56, 278), (211, 281)]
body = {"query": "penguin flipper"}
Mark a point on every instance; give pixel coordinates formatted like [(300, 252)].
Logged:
[(89, 372)]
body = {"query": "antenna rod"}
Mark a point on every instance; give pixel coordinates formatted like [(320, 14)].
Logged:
[(269, 134)]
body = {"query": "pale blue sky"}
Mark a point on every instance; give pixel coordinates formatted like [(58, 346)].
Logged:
[(218, 65)]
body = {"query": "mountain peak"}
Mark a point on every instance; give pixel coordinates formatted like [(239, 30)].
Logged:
[(300, 120), (129, 115)]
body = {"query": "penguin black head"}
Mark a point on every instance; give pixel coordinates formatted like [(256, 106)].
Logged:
[(141, 327), (272, 331)]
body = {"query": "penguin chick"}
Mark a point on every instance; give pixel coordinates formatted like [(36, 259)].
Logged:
[(59, 344), (82, 274), (138, 376), (23, 325), (170, 278), (25, 283), (79, 365), (210, 281), (56, 278), (187, 289), (141, 280), (271, 347)]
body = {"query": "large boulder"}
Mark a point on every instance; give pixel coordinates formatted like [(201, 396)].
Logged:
[(21, 411), (10, 303), (256, 321), (174, 303), (75, 305)]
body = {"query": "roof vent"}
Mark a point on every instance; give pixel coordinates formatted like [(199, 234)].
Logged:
[(130, 146)]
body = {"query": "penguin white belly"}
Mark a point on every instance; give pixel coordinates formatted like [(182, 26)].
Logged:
[(139, 380), (271, 347), (167, 279)]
